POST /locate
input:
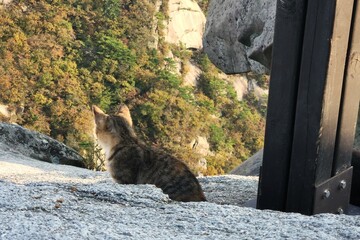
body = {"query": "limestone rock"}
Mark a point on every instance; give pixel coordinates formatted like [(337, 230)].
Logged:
[(186, 24), (201, 146), (154, 42), (4, 2), (240, 84), (10, 113), (191, 77), (239, 34), (244, 85), (36, 145)]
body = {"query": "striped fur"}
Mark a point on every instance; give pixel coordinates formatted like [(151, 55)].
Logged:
[(131, 161)]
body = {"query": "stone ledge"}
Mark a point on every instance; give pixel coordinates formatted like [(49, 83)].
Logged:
[(40, 200)]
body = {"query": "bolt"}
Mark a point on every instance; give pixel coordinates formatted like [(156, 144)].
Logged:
[(326, 194), (340, 211), (342, 184)]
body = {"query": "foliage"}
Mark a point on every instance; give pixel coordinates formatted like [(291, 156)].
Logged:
[(57, 58), (204, 4)]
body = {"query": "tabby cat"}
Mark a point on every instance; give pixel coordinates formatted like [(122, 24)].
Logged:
[(131, 161)]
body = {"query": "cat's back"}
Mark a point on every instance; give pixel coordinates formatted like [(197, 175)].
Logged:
[(171, 175)]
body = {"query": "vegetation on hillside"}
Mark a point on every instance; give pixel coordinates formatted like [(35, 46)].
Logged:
[(57, 58)]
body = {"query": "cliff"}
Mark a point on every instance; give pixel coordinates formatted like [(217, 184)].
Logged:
[(186, 24), (239, 34)]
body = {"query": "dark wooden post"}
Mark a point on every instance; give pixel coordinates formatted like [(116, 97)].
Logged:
[(289, 28), (306, 165)]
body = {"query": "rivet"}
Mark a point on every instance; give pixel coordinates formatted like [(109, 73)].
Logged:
[(340, 211), (342, 184), (326, 194)]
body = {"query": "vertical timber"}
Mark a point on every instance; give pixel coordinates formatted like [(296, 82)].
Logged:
[(312, 108), (319, 99), (289, 27)]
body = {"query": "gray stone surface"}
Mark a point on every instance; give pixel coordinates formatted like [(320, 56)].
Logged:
[(239, 34), (47, 201), (37, 145), (251, 167)]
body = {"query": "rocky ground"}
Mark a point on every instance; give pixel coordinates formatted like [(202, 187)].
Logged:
[(41, 200)]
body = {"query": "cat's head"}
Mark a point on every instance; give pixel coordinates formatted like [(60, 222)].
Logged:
[(113, 129)]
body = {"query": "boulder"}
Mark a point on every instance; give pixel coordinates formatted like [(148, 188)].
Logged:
[(186, 24), (239, 34), (250, 167), (36, 145)]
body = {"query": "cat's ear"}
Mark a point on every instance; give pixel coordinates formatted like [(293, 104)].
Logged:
[(99, 115), (125, 113)]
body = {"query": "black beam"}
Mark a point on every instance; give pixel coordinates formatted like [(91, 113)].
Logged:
[(319, 97), (355, 186), (313, 97), (289, 28)]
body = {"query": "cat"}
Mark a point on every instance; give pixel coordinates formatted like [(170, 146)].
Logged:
[(131, 161)]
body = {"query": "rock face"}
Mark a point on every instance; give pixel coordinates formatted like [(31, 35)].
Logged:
[(10, 113), (186, 24), (154, 29), (39, 200), (36, 145), (201, 146), (239, 34), (191, 77), (4, 2), (243, 85), (251, 167)]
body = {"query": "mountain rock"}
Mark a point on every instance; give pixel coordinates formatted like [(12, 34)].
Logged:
[(239, 34), (36, 145), (10, 113), (251, 167), (4, 2), (186, 24), (191, 77), (244, 85), (39, 200), (201, 146)]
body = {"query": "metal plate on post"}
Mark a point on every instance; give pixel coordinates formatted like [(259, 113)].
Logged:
[(332, 196)]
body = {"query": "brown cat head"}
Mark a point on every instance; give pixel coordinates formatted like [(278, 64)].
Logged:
[(112, 130)]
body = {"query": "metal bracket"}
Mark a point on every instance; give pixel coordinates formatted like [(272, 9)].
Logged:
[(333, 195)]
